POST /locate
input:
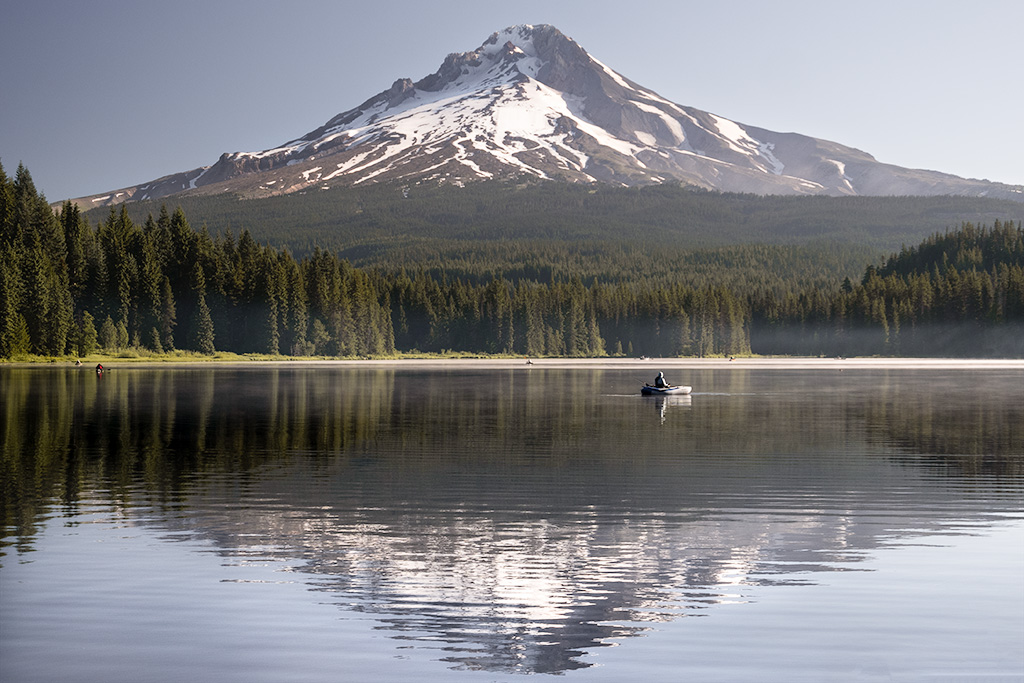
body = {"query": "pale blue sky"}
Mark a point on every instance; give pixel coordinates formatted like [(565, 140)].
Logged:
[(103, 94)]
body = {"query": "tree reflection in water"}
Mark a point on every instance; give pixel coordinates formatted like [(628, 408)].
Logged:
[(515, 520)]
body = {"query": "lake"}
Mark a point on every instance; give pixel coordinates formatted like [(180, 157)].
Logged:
[(280, 522)]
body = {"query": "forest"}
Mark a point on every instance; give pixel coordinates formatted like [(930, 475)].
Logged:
[(544, 231), (157, 284)]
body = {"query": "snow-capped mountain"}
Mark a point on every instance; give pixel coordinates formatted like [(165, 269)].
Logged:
[(531, 103)]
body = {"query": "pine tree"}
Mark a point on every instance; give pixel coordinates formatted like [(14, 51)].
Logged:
[(321, 338), (595, 343), (122, 335), (87, 339), (203, 328), (153, 342), (20, 341), (298, 311), (108, 335), (168, 314), (534, 321), (8, 233), (202, 334), (149, 294), (11, 319), (273, 302), (36, 286), (59, 320), (76, 236), (181, 260)]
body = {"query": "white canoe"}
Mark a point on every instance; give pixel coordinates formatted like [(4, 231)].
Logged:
[(648, 390)]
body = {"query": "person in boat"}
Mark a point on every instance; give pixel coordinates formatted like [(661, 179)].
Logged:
[(99, 368), (660, 382)]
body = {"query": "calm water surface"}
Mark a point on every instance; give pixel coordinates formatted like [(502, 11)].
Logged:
[(349, 524)]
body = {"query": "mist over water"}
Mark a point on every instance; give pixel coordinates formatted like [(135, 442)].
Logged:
[(385, 521)]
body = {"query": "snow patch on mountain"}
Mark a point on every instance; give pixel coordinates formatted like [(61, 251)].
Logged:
[(841, 168), (193, 183), (765, 149), (761, 153), (614, 76), (672, 124), (646, 138)]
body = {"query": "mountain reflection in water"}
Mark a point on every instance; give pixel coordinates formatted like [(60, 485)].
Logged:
[(515, 520)]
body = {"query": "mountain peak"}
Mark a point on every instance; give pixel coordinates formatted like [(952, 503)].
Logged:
[(531, 102), (521, 49), (527, 37)]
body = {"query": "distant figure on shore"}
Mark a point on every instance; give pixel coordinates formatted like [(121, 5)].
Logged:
[(78, 363)]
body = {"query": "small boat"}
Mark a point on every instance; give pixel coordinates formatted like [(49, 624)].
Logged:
[(648, 390)]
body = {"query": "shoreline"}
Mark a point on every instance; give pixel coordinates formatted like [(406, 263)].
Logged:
[(655, 364)]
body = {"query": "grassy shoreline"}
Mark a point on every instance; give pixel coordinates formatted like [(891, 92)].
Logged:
[(134, 356), (485, 361)]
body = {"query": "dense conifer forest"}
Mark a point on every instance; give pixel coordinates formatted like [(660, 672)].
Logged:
[(155, 284), (960, 293), (546, 232)]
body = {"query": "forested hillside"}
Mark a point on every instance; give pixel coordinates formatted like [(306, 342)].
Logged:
[(67, 286), (70, 287), (555, 231), (960, 293)]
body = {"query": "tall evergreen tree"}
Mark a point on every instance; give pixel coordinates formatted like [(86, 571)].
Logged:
[(13, 327), (202, 334), (108, 335), (168, 314), (76, 238), (150, 294), (298, 311), (88, 337), (8, 231), (181, 261)]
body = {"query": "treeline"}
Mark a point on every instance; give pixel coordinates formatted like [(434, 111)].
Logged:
[(68, 287), (960, 294), (740, 267), (567, 318), (549, 231)]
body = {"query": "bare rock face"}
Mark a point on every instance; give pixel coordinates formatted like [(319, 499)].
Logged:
[(531, 102), (401, 90)]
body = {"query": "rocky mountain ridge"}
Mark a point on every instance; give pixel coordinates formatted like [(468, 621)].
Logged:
[(531, 103)]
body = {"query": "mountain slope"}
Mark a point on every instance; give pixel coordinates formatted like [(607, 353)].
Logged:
[(530, 102)]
